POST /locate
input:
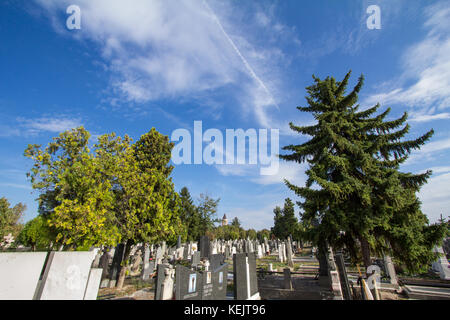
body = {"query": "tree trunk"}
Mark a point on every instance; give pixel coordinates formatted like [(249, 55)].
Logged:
[(322, 257), (365, 251), (124, 268)]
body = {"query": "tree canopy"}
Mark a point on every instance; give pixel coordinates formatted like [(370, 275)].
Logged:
[(10, 218), (355, 189)]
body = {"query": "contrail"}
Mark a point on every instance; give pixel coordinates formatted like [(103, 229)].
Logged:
[(247, 65)]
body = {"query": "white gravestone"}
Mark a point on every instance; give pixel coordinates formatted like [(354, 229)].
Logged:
[(66, 276), (95, 276), (167, 285), (19, 274)]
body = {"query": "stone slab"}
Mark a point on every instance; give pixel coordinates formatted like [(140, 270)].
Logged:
[(66, 275), (19, 274), (95, 276)]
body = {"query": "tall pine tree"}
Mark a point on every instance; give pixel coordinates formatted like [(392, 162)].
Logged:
[(355, 189), (189, 215), (285, 222)]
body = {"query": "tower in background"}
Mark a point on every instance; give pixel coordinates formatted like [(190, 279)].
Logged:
[(224, 220)]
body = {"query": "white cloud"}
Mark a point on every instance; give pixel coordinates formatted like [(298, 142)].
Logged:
[(293, 172), (428, 151), (28, 127), (177, 48), (428, 117), (16, 186), (435, 197), (47, 124), (426, 72)]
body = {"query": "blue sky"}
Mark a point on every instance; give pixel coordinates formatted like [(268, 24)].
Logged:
[(230, 64)]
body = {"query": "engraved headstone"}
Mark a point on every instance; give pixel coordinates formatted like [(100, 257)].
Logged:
[(188, 284)]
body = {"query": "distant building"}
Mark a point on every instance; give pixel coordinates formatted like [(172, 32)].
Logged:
[(224, 220)]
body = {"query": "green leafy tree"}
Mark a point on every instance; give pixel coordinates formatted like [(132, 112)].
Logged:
[(120, 192), (251, 233), (277, 229), (235, 222), (355, 190), (74, 195), (146, 205), (10, 218), (190, 216), (264, 233), (207, 209), (37, 234)]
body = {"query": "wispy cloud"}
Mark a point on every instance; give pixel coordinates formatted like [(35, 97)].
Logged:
[(176, 49), (32, 126), (429, 151), (428, 117), (435, 197), (293, 172), (16, 186), (425, 81), (48, 124)]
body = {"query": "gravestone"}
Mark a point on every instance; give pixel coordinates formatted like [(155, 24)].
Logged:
[(136, 263), (93, 284), (179, 242), (289, 253), (287, 281), (227, 252), (104, 265), (345, 285), (216, 260), (115, 266), (280, 253), (146, 269), (66, 275), (188, 284), (244, 276), (163, 248), (19, 274), (96, 262), (160, 276), (219, 278), (179, 253), (207, 285), (205, 247), (167, 284), (441, 265), (260, 251), (186, 252), (195, 258), (390, 270)]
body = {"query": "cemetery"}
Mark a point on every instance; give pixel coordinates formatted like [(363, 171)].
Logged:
[(217, 269), (335, 195)]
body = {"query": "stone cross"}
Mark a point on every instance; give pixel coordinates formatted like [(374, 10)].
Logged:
[(7, 241)]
